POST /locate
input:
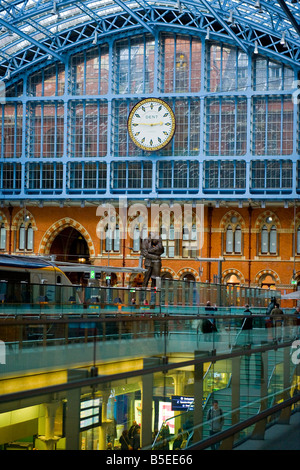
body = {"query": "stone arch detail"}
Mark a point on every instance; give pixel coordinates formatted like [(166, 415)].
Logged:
[(183, 271), (126, 278), (20, 217), (236, 272), (261, 218), (296, 221), (165, 269), (3, 220), (266, 272), (57, 227), (226, 219)]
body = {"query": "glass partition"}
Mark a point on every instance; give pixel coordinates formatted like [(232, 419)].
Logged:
[(153, 405), (169, 296)]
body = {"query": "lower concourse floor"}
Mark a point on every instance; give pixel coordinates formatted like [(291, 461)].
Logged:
[(278, 437)]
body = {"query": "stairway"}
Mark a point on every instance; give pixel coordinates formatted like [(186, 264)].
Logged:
[(250, 384)]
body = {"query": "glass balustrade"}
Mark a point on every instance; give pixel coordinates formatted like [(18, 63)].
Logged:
[(169, 296), (168, 400), (146, 361)]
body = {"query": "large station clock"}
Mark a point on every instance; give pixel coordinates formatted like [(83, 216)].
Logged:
[(151, 124)]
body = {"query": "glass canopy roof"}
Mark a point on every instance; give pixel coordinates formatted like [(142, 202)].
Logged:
[(35, 31)]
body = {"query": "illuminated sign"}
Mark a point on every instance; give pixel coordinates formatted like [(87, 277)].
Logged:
[(181, 403), (90, 413)]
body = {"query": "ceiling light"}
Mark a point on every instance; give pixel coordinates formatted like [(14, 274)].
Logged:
[(282, 40), (255, 47), (231, 19), (54, 9), (258, 5), (95, 38), (207, 33)]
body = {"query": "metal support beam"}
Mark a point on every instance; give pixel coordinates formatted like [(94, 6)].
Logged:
[(290, 15), (31, 40), (225, 26), (219, 261), (135, 16)]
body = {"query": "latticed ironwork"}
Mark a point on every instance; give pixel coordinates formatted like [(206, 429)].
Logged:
[(70, 72)]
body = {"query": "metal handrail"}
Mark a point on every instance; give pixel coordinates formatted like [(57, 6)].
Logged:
[(221, 436)]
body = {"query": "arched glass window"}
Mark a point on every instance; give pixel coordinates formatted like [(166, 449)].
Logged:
[(238, 240), (112, 238), (171, 242), (233, 241), (273, 240), (144, 232), (108, 239), (116, 240), (136, 238), (2, 237), (22, 237), (269, 240), (29, 238), (26, 235), (185, 241), (168, 237), (194, 241), (163, 234), (229, 239), (298, 241), (194, 233), (264, 240)]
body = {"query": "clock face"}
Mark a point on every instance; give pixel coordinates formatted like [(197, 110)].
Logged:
[(151, 124)]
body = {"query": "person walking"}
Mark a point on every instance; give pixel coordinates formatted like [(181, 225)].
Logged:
[(216, 420), (136, 444), (247, 321), (124, 441), (209, 323)]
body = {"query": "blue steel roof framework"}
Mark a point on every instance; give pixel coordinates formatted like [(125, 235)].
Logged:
[(33, 31), (36, 33)]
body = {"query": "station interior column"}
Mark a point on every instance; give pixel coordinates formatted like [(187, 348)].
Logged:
[(104, 421), (179, 381), (198, 394)]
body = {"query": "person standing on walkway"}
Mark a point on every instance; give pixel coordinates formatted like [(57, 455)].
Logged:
[(216, 420), (277, 314), (296, 322)]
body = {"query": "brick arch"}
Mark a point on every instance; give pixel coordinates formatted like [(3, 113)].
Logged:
[(183, 271), (19, 219), (165, 269), (297, 276), (3, 220), (226, 219), (127, 278), (266, 272), (57, 227), (261, 220), (237, 273), (296, 221)]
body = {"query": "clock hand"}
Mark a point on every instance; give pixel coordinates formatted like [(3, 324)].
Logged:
[(150, 124)]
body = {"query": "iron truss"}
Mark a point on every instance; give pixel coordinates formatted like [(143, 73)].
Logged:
[(35, 31)]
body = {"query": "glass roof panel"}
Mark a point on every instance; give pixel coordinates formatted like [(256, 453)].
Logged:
[(40, 19)]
